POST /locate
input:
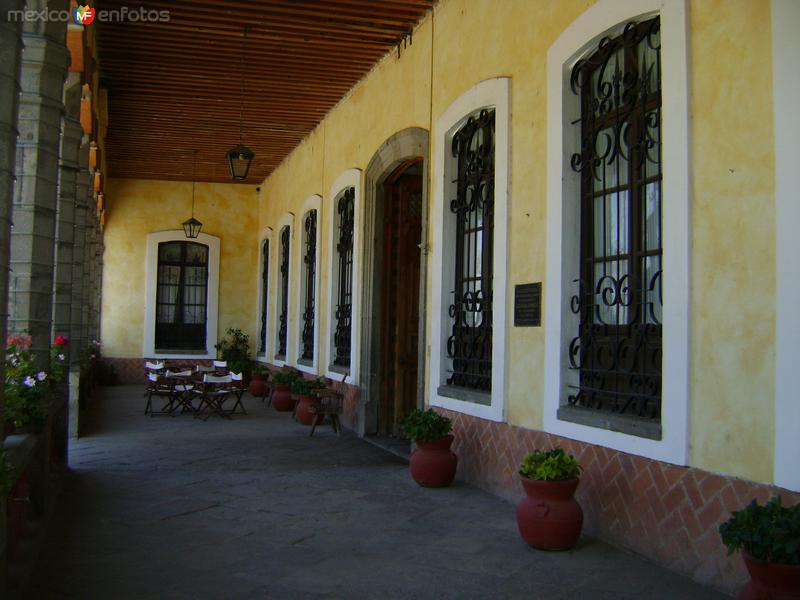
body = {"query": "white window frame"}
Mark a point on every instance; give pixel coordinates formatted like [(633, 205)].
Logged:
[(151, 284), (266, 236), (348, 179), (563, 222), (786, 88), (286, 220), (491, 93), (311, 203)]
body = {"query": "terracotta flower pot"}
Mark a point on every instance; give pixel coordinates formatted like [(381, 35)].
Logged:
[(770, 581), (282, 398), (433, 464), (549, 517), (303, 412), (258, 384)]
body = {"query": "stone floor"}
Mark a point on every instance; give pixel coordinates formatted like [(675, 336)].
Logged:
[(174, 507)]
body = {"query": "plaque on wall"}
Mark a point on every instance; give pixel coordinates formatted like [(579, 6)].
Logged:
[(528, 305)]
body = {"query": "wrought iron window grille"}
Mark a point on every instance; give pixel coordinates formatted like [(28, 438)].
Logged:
[(262, 344), (469, 345), (618, 298), (310, 263), (344, 249), (283, 317)]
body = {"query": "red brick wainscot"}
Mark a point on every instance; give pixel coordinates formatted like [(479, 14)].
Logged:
[(668, 513)]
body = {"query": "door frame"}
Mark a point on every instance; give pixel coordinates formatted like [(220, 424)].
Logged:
[(402, 146)]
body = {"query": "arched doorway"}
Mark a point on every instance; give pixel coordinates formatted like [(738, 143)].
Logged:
[(392, 378)]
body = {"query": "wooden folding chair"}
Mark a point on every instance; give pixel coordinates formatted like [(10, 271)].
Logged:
[(183, 389), (330, 404), (159, 385), (212, 393), (237, 390)]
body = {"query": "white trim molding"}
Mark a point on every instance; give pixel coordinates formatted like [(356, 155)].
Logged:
[(151, 284), (286, 220), (348, 179), (489, 93), (786, 89), (261, 301), (608, 17), (312, 203)]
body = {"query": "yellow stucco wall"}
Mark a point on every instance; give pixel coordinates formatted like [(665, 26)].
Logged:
[(732, 206), (140, 207), (733, 239), (733, 284)]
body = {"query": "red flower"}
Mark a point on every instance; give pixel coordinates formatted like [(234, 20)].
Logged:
[(61, 341)]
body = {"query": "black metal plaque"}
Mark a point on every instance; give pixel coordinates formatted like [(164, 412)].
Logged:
[(528, 305)]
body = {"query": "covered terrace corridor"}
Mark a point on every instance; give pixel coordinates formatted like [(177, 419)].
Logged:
[(177, 508)]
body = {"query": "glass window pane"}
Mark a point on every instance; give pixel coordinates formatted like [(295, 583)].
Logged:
[(611, 224), (651, 221), (196, 254), (169, 252)]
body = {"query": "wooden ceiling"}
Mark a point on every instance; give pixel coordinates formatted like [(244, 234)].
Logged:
[(176, 86)]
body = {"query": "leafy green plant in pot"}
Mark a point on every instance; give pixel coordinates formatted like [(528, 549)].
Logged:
[(258, 380), (549, 517), (235, 349), (304, 388), (282, 390), (768, 537), (432, 462)]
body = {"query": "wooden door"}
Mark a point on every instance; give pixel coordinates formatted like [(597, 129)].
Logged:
[(400, 298)]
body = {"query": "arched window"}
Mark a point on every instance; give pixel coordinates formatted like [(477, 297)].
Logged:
[(181, 297), (617, 298), (264, 295), (284, 242), (308, 282), (469, 345), (343, 265)]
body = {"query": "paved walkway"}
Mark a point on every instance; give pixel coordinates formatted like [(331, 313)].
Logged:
[(176, 508)]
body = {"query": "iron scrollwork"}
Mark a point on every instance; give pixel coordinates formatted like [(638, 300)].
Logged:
[(470, 342), (344, 248), (310, 262), (618, 302), (284, 270), (262, 341)]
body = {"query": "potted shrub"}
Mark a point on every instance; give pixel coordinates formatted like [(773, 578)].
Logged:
[(282, 391), (258, 380), (304, 388), (769, 538), (549, 517), (235, 349), (432, 462)]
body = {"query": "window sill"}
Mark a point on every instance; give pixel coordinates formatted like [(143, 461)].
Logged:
[(642, 428), (464, 394)]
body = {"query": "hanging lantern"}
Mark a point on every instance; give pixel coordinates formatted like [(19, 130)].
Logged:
[(239, 159), (191, 226)]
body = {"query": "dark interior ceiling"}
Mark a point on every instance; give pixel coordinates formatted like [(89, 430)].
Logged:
[(175, 87)]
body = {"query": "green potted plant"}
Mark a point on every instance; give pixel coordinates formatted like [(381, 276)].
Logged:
[(432, 462), (304, 388), (235, 349), (768, 537), (282, 390), (549, 517), (259, 375)]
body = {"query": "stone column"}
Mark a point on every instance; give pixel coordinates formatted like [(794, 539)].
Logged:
[(78, 339), (71, 136), (10, 65), (44, 67)]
